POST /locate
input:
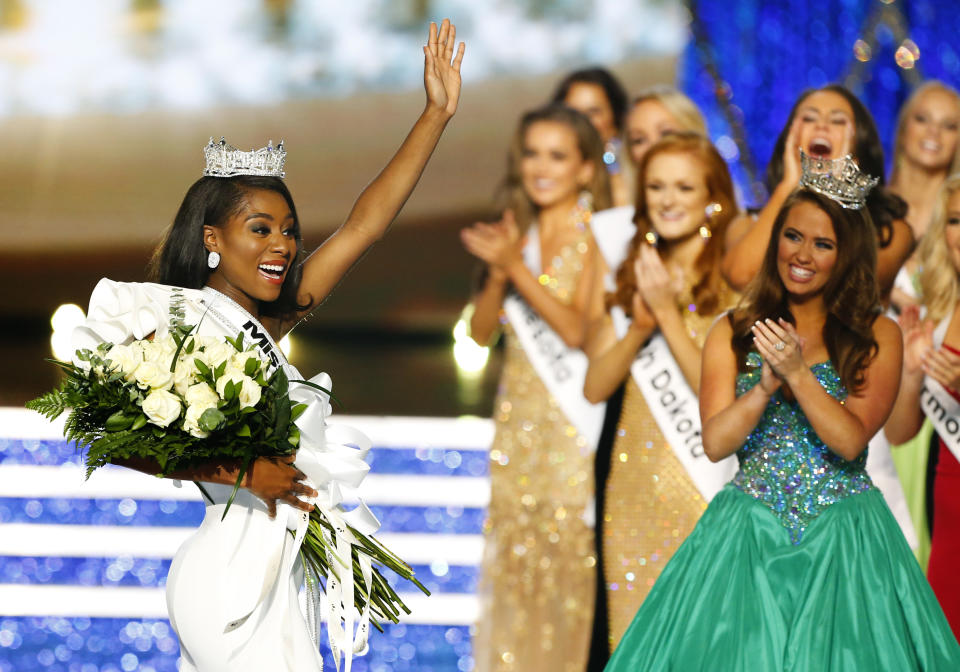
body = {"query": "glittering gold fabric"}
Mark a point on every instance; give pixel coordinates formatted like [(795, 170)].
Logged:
[(539, 568), (651, 502)]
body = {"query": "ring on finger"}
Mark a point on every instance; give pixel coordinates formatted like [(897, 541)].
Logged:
[(780, 346)]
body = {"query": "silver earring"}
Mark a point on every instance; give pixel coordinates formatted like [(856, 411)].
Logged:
[(213, 260)]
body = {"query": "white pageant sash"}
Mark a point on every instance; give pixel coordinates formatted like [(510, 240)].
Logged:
[(938, 405), (561, 368), (675, 407), (613, 230), (333, 458)]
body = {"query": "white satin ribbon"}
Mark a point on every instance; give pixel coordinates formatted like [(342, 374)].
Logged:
[(938, 404), (333, 459)]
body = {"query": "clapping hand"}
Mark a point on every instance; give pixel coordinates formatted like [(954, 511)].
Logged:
[(655, 285), (780, 346), (441, 69), (917, 338), (496, 243)]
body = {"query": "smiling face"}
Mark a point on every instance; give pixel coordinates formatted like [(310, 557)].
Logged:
[(826, 124), (930, 131), (552, 169), (647, 122), (257, 246), (806, 250), (591, 100), (676, 192)]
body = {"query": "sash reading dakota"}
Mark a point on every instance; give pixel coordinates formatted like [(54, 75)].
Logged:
[(675, 407), (561, 368), (938, 405)]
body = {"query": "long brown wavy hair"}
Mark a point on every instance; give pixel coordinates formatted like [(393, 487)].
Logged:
[(851, 296), (512, 194), (709, 283)]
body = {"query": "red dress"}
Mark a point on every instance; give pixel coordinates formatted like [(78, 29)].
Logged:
[(943, 570)]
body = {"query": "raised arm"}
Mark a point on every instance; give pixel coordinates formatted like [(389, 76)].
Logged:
[(379, 203), (907, 417), (893, 256), (610, 357), (728, 420), (747, 237), (499, 245), (846, 427)]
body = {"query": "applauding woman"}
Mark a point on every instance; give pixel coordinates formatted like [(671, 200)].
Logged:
[(797, 564), (670, 287), (543, 285), (931, 362)]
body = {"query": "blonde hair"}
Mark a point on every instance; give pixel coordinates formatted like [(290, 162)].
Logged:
[(932, 85), (512, 193), (680, 107), (939, 283)]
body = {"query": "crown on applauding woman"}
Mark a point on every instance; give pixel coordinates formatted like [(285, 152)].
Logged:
[(225, 160), (839, 179)]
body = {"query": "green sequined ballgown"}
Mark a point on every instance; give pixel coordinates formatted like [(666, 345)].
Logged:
[(797, 564)]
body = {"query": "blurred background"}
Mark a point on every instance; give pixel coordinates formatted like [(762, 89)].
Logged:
[(105, 107)]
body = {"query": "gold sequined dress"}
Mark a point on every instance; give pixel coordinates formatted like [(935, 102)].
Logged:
[(539, 567), (651, 503)]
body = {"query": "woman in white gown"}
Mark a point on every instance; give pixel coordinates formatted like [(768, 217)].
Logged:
[(232, 261)]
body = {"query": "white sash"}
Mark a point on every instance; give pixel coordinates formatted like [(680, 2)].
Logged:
[(561, 368), (332, 457), (940, 407), (613, 230), (675, 407)]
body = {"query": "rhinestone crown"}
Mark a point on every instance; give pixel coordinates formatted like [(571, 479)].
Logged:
[(839, 179), (225, 160)]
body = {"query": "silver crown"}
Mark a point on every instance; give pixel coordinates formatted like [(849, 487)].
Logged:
[(225, 160), (839, 179)]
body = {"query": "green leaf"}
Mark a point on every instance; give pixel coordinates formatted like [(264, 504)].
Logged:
[(236, 486), (202, 368), (243, 431), (220, 369), (329, 393), (190, 346), (118, 422), (250, 367), (231, 391), (139, 422), (297, 411), (211, 420)]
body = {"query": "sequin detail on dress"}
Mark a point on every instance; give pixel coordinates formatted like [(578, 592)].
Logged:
[(786, 466)]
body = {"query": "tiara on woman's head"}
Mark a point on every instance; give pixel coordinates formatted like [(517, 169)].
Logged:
[(838, 179), (225, 160)]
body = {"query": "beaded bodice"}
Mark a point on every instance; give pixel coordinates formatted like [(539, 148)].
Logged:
[(786, 466)]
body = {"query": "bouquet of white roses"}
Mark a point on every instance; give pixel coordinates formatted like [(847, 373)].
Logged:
[(181, 399)]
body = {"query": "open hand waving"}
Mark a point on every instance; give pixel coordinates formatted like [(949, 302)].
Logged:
[(441, 69)]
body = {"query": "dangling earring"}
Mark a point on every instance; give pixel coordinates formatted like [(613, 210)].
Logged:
[(213, 260), (712, 210), (652, 238), (585, 200)]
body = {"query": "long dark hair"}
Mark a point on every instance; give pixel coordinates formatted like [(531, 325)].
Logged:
[(181, 258), (884, 207), (616, 95), (709, 283), (850, 296)]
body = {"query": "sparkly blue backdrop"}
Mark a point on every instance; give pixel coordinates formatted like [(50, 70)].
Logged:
[(749, 60)]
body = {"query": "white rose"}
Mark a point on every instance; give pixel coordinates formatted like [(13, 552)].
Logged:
[(161, 407), (200, 395), (185, 374), (238, 362), (126, 358), (150, 375), (217, 353), (249, 392), (160, 353), (191, 422)]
